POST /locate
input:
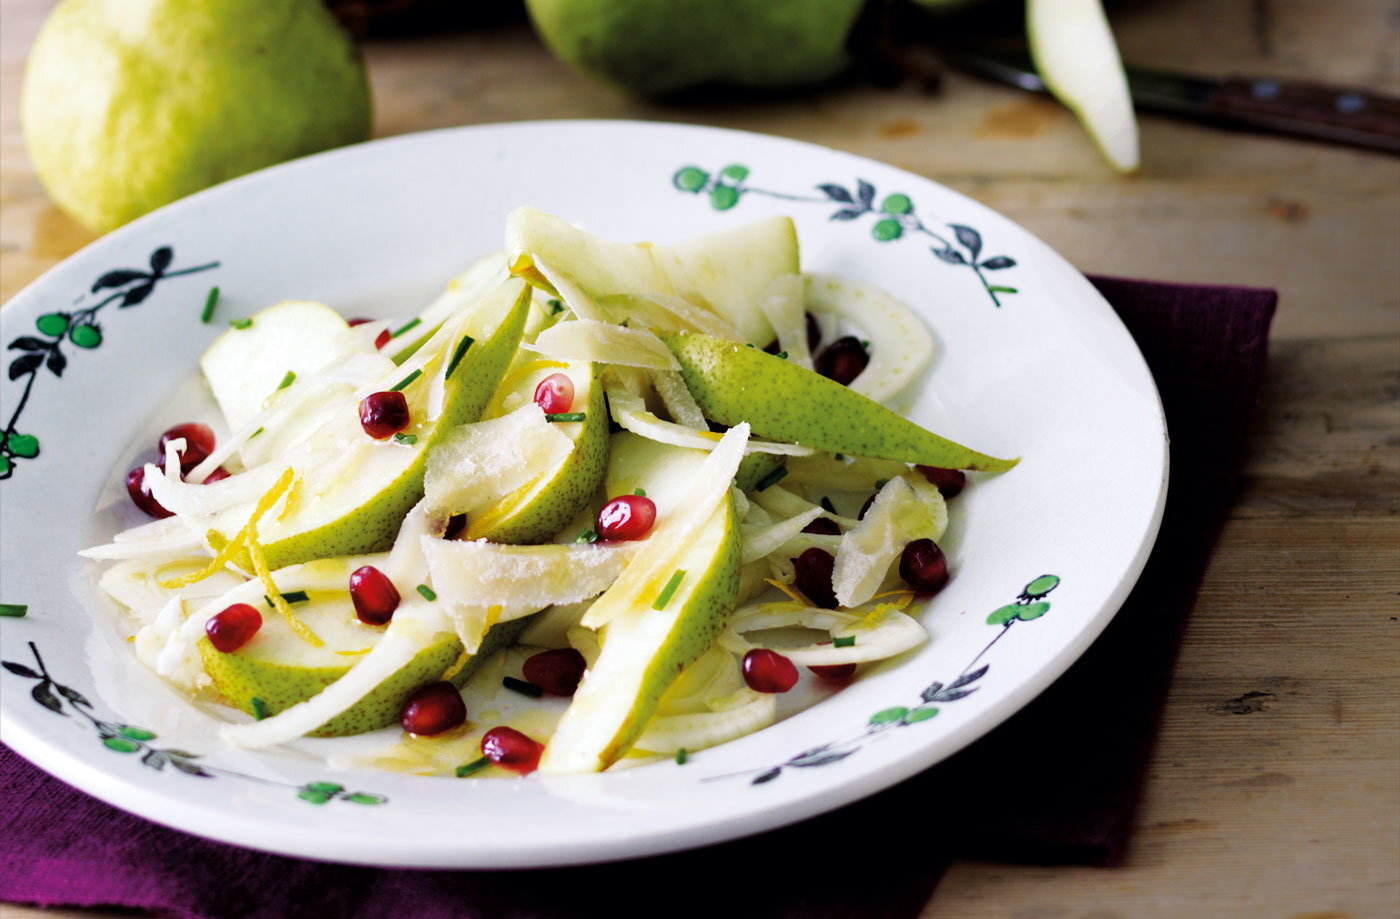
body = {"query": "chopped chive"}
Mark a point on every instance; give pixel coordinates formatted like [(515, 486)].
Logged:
[(555, 306), (565, 416), (427, 592), (268, 601), (771, 479), (398, 387), (256, 433), (588, 536), (844, 641), (209, 303), (259, 708), (405, 327), (240, 323), (522, 687), (827, 505), (461, 352), (781, 355), (669, 590), (681, 756), (865, 343), (296, 596), (405, 438), (639, 492), (881, 483), (748, 344), (472, 767), (14, 610), (288, 380)]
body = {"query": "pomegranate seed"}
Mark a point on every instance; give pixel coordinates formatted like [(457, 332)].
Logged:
[(455, 525), (374, 595), (357, 321), (626, 517), (865, 508), (433, 709), (843, 360), (383, 414), (814, 333), (555, 393), (769, 671), (218, 475), (813, 569), (950, 482), (509, 748), (771, 347), (234, 627), (199, 443), (923, 566), (556, 672), (141, 495), (835, 673), (823, 526), (383, 338)]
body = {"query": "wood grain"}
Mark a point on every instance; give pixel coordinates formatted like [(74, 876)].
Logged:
[(1275, 787)]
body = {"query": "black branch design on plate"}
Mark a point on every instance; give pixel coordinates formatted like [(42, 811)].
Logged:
[(893, 217), (126, 287)]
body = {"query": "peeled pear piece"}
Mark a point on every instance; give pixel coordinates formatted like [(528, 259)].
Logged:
[(352, 491), (725, 272), (784, 402), (245, 366)]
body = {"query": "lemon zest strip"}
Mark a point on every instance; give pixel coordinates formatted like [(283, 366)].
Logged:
[(797, 597)]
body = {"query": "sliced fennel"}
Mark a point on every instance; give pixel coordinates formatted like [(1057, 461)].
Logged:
[(906, 509), (880, 630), (900, 345)]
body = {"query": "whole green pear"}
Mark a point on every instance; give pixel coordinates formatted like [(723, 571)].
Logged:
[(130, 104), (658, 47)]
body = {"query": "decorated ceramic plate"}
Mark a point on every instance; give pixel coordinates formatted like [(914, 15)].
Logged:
[(102, 355)]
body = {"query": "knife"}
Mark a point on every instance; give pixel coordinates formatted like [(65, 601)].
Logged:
[(1355, 117)]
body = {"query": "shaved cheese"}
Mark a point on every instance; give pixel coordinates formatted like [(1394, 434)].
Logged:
[(478, 464), (904, 510), (605, 343), (482, 573), (900, 344), (675, 531), (783, 304)]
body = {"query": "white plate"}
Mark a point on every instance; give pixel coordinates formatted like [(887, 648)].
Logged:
[(1031, 362)]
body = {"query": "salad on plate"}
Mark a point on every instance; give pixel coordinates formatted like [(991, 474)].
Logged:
[(642, 487)]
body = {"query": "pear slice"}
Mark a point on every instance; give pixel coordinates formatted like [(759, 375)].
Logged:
[(539, 509), (784, 402), (245, 366), (353, 492), (644, 649), (724, 272), (1076, 56)]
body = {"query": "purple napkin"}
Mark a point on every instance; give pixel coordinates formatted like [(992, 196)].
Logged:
[(1012, 796)]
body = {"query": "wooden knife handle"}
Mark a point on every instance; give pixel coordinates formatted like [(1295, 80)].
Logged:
[(1309, 110)]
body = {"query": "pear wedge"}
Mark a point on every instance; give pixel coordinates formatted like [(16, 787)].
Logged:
[(542, 507), (644, 648), (280, 669), (725, 272), (325, 518), (785, 402)]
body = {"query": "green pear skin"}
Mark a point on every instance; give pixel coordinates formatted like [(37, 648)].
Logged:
[(782, 401), (372, 525), (654, 49)]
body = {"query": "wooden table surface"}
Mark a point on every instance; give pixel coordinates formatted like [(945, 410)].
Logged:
[(1275, 787)]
